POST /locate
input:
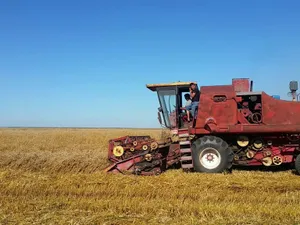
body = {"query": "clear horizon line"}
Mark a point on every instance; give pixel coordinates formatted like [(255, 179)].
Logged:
[(88, 127)]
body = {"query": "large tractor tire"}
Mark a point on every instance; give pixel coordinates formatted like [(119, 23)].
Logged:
[(211, 154)]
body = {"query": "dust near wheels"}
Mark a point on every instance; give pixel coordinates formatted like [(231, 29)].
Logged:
[(211, 155)]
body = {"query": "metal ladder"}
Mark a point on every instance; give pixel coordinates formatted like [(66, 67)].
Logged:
[(186, 159)]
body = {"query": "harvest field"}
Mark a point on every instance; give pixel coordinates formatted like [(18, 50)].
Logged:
[(54, 176)]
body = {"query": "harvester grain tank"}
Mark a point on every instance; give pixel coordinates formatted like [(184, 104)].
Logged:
[(233, 125)]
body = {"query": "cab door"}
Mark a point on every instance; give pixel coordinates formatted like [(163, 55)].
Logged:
[(168, 102)]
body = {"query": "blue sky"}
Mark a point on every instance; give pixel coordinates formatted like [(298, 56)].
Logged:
[(86, 63)]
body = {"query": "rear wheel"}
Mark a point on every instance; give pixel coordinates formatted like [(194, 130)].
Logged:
[(211, 154)]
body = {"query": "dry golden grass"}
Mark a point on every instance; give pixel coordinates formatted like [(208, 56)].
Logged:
[(54, 176)]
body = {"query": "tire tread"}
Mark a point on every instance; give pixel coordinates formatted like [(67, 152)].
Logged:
[(221, 146)]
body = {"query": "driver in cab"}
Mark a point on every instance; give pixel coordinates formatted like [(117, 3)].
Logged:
[(195, 97)]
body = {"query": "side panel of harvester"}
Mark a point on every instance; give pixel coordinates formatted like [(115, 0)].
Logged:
[(223, 110), (259, 129), (217, 109), (280, 112)]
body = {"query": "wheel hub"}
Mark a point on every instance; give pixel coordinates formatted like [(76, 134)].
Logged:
[(210, 158)]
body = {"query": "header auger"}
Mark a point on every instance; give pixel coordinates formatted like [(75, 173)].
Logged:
[(232, 125)]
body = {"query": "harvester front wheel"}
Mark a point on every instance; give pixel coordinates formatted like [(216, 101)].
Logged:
[(211, 154)]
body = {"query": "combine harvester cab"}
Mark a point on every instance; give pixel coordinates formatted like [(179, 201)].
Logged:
[(233, 125), (144, 155)]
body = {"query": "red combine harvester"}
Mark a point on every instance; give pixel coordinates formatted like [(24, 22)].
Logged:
[(233, 125)]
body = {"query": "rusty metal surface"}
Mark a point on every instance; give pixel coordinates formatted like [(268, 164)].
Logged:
[(129, 146), (280, 112), (134, 157), (240, 129), (211, 110), (224, 112), (241, 84), (274, 147), (219, 112)]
